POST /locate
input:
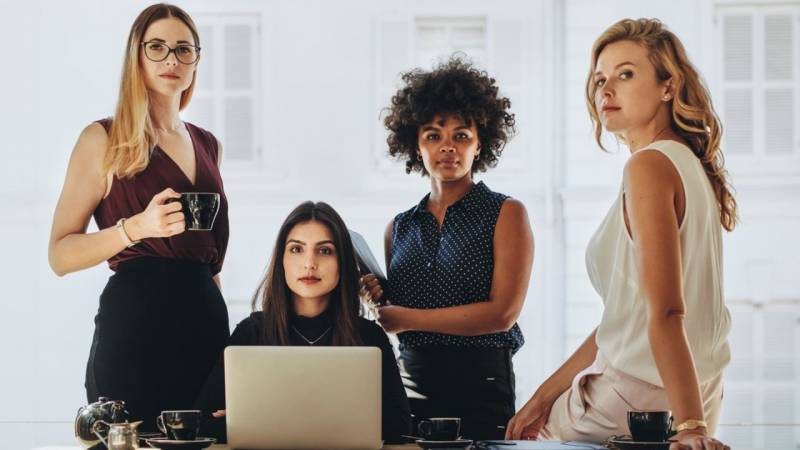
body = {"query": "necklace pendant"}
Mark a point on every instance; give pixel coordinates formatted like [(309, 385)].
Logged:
[(309, 341)]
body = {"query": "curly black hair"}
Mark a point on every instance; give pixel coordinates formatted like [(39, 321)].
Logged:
[(456, 88)]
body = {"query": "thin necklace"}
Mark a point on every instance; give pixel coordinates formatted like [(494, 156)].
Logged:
[(310, 342), (171, 129)]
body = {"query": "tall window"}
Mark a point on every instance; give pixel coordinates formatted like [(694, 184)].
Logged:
[(226, 98), (438, 38), (758, 48)]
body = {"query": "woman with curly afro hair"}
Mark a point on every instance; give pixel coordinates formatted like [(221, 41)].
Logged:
[(459, 261)]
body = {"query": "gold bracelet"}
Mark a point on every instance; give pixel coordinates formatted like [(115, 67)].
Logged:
[(124, 234), (691, 424)]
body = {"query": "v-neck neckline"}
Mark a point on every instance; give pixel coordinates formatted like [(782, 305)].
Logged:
[(196, 161)]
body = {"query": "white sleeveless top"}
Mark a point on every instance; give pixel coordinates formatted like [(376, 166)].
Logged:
[(622, 335)]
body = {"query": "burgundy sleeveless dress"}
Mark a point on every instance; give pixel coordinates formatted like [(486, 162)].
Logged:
[(131, 196), (162, 321)]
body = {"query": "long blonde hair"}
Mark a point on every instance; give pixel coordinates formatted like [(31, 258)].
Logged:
[(693, 115), (132, 136)]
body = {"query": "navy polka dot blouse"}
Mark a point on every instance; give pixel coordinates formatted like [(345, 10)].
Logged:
[(430, 268)]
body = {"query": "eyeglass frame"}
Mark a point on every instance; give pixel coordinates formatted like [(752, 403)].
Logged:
[(171, 50)]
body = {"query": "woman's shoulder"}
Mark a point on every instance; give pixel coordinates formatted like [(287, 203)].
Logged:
[(650, 168), (255, 319), (200, 130), (211, 141), (204, 133), (404, 214), (484, 192), (97, 132), (90, 149), (248, 329), (104, 124), (513, 209)]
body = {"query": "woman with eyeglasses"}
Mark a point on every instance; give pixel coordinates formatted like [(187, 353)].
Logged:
[(162, 320)]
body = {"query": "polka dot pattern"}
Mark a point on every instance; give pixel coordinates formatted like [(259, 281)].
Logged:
[(430, 268)]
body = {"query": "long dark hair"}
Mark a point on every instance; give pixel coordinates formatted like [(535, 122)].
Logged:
[(274, 298)]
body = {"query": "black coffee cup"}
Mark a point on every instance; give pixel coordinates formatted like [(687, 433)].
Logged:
[(200, 209), (650, 426), (440, 428), (179, 425)]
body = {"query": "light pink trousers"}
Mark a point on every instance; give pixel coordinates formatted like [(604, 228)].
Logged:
[(596, 406)]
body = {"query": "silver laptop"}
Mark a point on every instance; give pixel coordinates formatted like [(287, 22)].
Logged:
[(303, 397)]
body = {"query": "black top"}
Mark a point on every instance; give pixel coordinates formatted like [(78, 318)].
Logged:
[(396, 413), (433, 268)]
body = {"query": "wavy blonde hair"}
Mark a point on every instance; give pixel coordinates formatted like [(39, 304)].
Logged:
[(693, 115), (132, 136)]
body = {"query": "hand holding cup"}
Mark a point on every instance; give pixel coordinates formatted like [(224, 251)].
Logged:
[(162, 218)]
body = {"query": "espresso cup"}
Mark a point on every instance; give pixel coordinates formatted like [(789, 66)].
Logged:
[(199, 209), (179, 425), (440, 428), (650, 426)]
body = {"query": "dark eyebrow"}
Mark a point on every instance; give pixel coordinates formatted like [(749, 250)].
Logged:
[(617, 67), (164, 42), (436, 128), (325, 242), (295, 241)]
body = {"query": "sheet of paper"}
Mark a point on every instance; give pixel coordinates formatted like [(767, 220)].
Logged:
[(366, 260), (540, 445)]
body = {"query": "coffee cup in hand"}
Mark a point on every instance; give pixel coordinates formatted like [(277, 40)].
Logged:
[(200, 209)]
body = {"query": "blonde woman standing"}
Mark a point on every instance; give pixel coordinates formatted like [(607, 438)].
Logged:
[(162, 320), (656, 259)]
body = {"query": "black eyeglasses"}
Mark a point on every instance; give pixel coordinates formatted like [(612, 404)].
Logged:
[(158, 51)]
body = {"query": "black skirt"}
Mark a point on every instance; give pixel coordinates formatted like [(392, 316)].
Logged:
[(475, 384), (160, 327)]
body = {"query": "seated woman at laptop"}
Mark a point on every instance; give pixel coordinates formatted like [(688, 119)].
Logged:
[(309, 296)]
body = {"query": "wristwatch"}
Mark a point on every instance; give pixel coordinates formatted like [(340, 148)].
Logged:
[(124, 234), (690, 424)]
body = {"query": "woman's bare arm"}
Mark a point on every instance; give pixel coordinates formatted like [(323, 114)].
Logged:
[(71, 248), (651, 186)]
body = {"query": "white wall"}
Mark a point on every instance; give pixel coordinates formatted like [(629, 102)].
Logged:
[(318, 117)]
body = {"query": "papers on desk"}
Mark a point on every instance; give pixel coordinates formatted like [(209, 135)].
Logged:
[(540, 445)]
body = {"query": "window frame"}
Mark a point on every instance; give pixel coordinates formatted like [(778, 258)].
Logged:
[(758, 166), (254, 168)]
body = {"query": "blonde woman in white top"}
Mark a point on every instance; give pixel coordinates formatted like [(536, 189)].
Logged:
[(656, 260)]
